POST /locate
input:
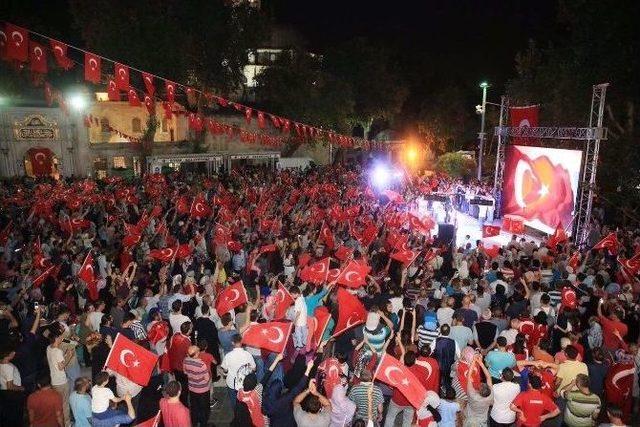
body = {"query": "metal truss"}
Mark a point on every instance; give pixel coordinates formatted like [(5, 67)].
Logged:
[(592, 136), (581, 134)]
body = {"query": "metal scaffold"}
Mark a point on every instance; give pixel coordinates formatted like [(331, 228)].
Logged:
[(592, 135)]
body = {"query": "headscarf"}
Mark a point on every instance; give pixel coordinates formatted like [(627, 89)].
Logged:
[(467, 354), (342, 408)]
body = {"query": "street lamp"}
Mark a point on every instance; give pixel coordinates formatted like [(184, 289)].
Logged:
[(481, 109)]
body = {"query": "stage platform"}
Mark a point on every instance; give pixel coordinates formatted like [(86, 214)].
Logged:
[(468, 225)]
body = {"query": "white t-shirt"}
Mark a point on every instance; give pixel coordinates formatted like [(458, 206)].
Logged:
[(300, 306), (510, 335), (54, 357), (100, 397), (503, 395), (95, 317), (238, 363), (9, 372), (176, 320), (445, 315)]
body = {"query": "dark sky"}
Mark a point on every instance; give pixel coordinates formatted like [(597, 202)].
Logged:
[(475, 39)]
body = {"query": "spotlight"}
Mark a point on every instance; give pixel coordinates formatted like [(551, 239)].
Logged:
[(380, 176), (78, 102)]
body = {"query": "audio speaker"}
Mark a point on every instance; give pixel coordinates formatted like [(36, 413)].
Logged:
[(446, 234)]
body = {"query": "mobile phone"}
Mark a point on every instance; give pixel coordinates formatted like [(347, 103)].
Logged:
[(36, 305)]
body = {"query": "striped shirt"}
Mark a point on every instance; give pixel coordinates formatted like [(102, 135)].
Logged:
[(376, 340), (556, 297), (426, 336), (580, 408), (197, 373), (359, 395)]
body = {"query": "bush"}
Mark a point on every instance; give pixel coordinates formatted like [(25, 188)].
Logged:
[(456, 165)]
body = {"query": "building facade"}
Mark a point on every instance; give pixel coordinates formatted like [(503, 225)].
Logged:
[(40, 140)]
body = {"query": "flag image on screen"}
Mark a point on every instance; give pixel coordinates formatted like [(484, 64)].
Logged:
[(541, 185)]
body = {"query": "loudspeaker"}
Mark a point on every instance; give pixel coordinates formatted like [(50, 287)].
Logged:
[(446, 234)]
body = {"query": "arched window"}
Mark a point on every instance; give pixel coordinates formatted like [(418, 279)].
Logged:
[(136, 125), (104, 125)]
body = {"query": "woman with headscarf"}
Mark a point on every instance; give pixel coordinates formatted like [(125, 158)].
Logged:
[(342, 408), (459, 373)]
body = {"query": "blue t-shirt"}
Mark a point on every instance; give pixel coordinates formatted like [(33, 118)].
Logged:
[(448, 411), (498, 360), (81, 408)]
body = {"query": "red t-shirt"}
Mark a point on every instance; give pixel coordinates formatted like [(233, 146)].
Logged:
[(611, 342), (178, 351), (208, 359), (45, 403), (534, 404), (174, 414)]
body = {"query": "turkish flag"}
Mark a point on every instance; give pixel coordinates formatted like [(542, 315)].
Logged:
[(322, 317), (60, 54), (574, 260), (170, 88), (343, 253), (316, 272), (490, 231), (332, 370), (86, 271), (199, 207), (353, 275), (632, 265), (184, 251), (3, 44), (40, 262), (327, 236), (134, 101), (148, 83), (351, 312), (231, 297), (40, 161), (610, 243), (492, 251), (333, 275), (38, 58), (130, 240), (524, 117), (417, 225), (304, 259), (182, 205), (39, 280), (151, 106), (112, 91), (405, 257), (558, 237), (261, 121), (517, 226), (131, 360), (247, 114), (17, 43), (267, 248), (151, 422), (91, 67), (393, 196), (283, 301), (618, 383), (271, 336), (392, 372), (121, 75), (369, 234), (164, 255)]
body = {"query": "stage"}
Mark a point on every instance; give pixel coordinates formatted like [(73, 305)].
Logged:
[(468, 225)]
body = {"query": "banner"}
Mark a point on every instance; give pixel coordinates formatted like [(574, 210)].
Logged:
[(524, 117)]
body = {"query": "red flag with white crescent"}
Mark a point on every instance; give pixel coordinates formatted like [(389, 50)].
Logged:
[(165, 255), (121, 75), (405, 257), (113, 94), (271, 336), (37, 58), (490, 231), (91, 67), (574, 260), (59, 50), (559, 236), (322, 316), (17, 43), (316, 272), (134, 101), (353, 275), (610, 242), (231, 297), (326, 235), (332, 371), (632, 265), (343, 253), (199, 207), (148, 83), (282, 301), (524, 117), (618, 383), (130, 360), (86, 272), (392, 372), (351, 312), (170, 88), (420, 226)]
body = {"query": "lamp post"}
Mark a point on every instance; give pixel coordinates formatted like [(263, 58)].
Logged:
[(482, 110)]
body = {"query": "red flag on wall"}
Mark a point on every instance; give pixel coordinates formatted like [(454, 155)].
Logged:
[(148, 83), (112, 91), (134, 101), (91, 67), (231, 297), (17, 43), (524, 117), (60, 54), (40, 159), (271, 336), (392, 372), (37, 57), (490, 230), (131, 360), (351, 312), (170, 87)]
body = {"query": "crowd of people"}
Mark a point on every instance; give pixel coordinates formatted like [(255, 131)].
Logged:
[(521, 336)]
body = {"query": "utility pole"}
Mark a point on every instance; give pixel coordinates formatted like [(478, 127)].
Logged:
[(481, 135)]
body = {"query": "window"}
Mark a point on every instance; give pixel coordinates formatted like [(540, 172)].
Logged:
[(136, 125), (104, 125), (273, 57), (164, 125), (100, 167), (119, 162)]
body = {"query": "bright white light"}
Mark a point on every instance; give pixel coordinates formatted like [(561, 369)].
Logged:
[(77, 102), (380, 176), (398, 174)]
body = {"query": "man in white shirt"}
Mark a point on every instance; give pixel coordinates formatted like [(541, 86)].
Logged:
[(300, 332), (236, 364), (176, 318), (503, 395), (58, 361), (95, 317)]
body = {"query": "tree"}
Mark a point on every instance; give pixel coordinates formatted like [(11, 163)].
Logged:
[(596, 43), (299, 87), (377, 87), (456, 165)]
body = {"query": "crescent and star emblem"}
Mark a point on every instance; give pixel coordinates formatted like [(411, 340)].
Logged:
[(389, 370), (349, 321), (123, 354), (352, 276), (38, 52), (15, 39), (58, 48), (618, 376), (40, 157), (236, 295), (93, 63), (122, 73), (279, 335)]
